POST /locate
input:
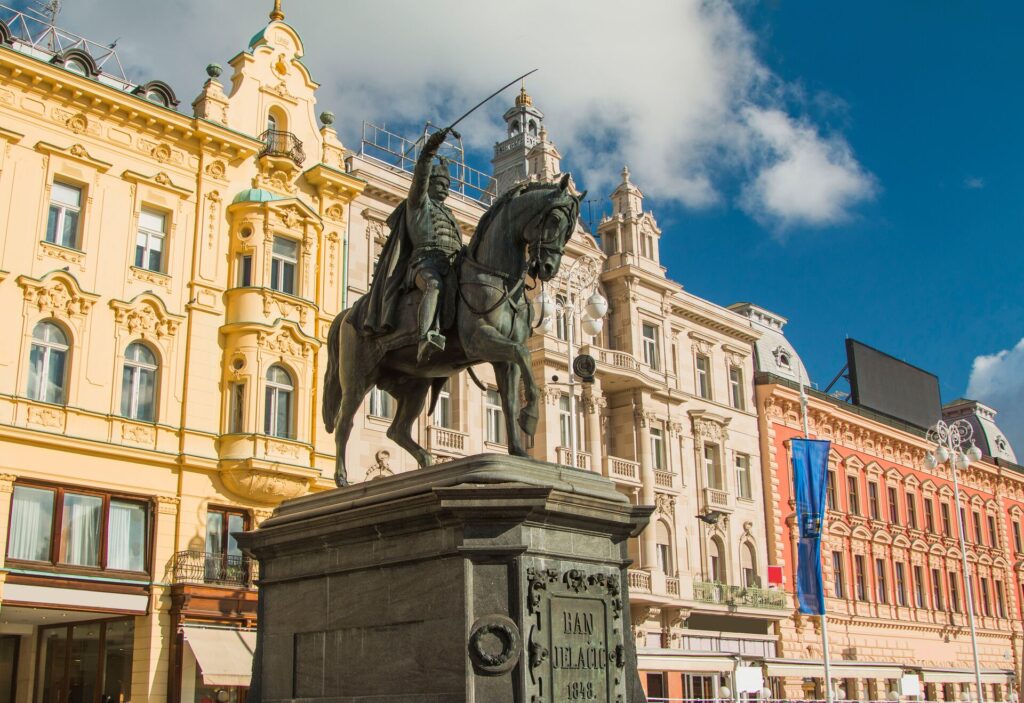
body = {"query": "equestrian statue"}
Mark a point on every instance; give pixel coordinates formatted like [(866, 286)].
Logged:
[(436, 307)]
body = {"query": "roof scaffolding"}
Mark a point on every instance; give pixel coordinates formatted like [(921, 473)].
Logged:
[(400, 153), (34, 33)]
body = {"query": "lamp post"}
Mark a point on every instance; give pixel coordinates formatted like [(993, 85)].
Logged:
[(951, 444), (582, 276)]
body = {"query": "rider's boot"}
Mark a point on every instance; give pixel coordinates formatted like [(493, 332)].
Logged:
[(431, 340)]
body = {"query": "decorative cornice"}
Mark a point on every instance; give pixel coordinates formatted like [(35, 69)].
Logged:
[(147, 316), (160, 180), (75, 152)]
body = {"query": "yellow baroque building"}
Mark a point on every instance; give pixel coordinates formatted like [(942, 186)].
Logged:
[(168, 277)]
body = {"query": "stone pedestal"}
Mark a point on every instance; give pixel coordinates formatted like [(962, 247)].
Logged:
[(489, 579)]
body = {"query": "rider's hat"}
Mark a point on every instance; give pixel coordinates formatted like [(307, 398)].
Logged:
[(440, 169)]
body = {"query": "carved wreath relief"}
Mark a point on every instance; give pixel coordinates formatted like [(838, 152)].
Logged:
[(575, 646)]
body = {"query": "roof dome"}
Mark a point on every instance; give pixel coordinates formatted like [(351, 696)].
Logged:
[(255, 195)]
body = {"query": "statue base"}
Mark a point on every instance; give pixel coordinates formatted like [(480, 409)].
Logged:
[(490, 579)]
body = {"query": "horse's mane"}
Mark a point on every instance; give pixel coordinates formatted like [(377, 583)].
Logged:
[(498, 205)]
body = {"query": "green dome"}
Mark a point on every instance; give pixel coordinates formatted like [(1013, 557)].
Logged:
[(255, 195)]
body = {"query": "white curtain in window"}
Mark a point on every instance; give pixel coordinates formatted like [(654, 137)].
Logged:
[(126, 529), (31, 518), (81, 529)]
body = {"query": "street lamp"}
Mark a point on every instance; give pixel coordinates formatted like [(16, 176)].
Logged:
[(953, 443), (580, 278)]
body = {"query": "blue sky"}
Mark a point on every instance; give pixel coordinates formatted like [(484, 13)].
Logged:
[(853, 167)]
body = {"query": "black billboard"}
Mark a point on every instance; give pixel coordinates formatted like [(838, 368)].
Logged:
[(884, 383)]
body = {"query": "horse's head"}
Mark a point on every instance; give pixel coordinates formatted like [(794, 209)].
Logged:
[(547, 234)]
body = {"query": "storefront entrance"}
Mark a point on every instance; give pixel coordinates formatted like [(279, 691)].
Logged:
[(85, 662)]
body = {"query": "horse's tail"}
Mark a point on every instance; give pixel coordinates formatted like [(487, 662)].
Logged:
[(332, 384)]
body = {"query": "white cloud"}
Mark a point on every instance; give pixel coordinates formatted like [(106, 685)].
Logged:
[(998, 380), (673, 88), (974, 183)]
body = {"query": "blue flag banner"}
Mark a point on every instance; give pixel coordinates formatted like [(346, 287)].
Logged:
[(810, 473)]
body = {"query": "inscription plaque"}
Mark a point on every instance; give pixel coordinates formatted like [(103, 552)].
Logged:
[(576, 647)]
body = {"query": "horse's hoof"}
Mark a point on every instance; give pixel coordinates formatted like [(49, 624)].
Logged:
[(518, 451), (528, 420), (426, 460), (340, 481)]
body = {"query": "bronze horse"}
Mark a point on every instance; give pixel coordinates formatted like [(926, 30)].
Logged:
[(522, 234)]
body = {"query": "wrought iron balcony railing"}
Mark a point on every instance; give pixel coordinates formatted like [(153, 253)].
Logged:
[(284, 144), (197, 567), (751, 596)]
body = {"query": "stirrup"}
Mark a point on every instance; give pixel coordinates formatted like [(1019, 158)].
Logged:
[(429, 345)]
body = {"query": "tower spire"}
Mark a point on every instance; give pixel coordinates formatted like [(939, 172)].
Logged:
[(277, 15)]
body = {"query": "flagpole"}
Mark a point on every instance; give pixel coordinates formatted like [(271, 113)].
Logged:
[(824, 615)]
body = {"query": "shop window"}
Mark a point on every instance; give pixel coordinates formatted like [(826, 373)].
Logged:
[(138, 383), (149, 242), (63, 220), (91, 530), (48, 358), (86, 662)]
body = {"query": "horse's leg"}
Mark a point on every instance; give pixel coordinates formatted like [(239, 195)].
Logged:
[(488, 344), (508, 386), (355, 383), (410, 397)]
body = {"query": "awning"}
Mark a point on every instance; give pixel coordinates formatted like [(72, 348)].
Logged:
[(653, 659), (224, 656), (965, 676), (810, 668)]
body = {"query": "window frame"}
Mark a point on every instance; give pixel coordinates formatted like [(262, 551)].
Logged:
[(138, 368), (920, 596), (736, 387), (892, 497), (380, 404), (274, 390), (63, 209), (831, 496), (900, 583), (838, 575), (881, 582), (744, 480), (54, 562), (860, 578), (494, 418), (853, 505), (48, 349), (993, 534), (874, 502), (713, 467), (976, 519), (912, 521), (444, 408), (651, 345), (278, 262), (702, 375), (152, 235), (929, 515), (945, 515)]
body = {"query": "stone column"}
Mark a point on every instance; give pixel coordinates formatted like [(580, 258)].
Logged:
[(648, 546), (6, 491), (593, 402)]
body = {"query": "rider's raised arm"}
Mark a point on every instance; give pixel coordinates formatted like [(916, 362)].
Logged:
[(421, 174)]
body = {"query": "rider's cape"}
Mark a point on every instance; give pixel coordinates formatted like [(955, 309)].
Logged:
[(389, 280)]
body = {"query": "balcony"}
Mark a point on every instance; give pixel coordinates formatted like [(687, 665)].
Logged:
[(282, 145), (639, 581), (715, 499), (212, 569), (750, 596), (663, 479), (441, 440), (622, 470), (565, 457)]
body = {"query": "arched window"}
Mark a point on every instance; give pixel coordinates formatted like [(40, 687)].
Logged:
[(748, 560), (277, 418), (563, 321), (47, 373), (716, 561), (663, 540), (138, 383), (514, 128), (533, 128)]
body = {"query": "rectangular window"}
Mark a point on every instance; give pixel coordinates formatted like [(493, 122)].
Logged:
[(912, 510), (929, 515), (919, 586), (565, 425), (149, 241), (658, 448), (650, 334), (495, 418), (873, 507), (236, 407), (703, 367), (947, 527), (901, 583), (830, 490), (93, 530), (736, 387), (712, 467), (224, 561), (382, 404), (443, 416), (65, 213), (1016, 537), (743, 488), (860, 577), (881, 585), (993, 540), (838, 577), (244, 270), (977, 527), (283, 262), (954, 592), (664, 559), (1000, 601), (853, 495), (986, 604), (937, 590), (894, 507)]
